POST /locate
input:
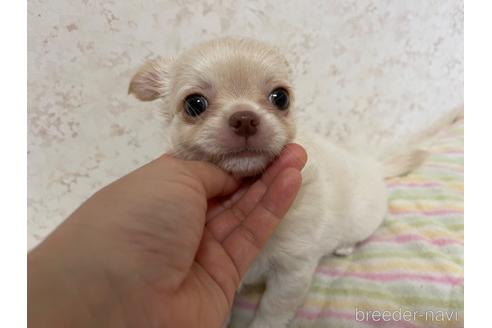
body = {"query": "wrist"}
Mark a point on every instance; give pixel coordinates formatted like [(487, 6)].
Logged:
[(64, 295)]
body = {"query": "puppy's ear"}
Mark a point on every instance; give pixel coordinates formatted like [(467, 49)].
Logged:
[(152, 80)]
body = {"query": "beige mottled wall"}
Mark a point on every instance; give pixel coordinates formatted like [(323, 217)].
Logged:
[(393, 66)]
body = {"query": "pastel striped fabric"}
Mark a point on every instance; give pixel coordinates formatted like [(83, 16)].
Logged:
[(410, 271)]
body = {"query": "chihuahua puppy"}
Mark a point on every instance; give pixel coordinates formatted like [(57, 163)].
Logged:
[(231, 102)]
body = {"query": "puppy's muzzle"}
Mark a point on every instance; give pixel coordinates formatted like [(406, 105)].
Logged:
[(244, 123)]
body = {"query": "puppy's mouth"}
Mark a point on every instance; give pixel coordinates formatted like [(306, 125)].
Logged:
[(241, 160), (246, 152), (245, 162)]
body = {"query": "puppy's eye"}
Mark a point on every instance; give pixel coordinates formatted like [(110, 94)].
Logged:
[(195, 104), (280, 98)]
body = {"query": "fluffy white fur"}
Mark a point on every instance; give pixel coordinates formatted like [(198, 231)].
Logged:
[(343, 197)]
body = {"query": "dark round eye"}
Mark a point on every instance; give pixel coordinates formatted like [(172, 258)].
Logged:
[(280, 98), (195, 104)]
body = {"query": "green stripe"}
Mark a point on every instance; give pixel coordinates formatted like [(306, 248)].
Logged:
[(423, 195), (404, 255), (455, 218), (395, 286), (368, 254), (440, 229), (457, 227), (441, 179), (444, 158), (432, 171), (408, 289), (445, 177)]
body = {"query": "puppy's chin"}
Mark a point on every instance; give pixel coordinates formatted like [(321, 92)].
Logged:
[(245, 164), (241, 165)]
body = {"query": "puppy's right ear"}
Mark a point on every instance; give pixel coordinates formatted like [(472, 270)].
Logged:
[(152, 80)]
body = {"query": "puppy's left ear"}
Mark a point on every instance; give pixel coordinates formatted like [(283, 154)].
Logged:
[(152, 80)]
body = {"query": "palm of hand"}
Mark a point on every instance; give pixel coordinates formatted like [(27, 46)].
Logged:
[(172, 253), (214, 242)]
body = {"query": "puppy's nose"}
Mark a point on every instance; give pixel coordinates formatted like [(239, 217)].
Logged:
[(244, 123)]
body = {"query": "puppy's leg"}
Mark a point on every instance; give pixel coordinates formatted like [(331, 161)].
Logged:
[(285, 292), (344, 251)]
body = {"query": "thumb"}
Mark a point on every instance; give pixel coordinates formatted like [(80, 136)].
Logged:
[(214, 180)]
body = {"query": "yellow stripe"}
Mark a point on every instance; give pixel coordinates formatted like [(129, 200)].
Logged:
[(390, 231), (403, 266), (417, 206), (453, 185)]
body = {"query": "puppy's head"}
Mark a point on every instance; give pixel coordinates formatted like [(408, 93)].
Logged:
[(229, 102)]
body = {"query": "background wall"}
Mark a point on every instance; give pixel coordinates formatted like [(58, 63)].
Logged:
[(390, 68)]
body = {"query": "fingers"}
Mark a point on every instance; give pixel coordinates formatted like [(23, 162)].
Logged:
[(223, 218), (217, 205), (249, 237), (215, 182), (216, 262), (231, 215), (228, 261), (293, 155)]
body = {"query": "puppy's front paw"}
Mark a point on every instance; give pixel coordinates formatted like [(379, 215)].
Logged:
[(344, 251)]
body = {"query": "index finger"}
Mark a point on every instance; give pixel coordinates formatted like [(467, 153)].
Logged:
[(293, 155)]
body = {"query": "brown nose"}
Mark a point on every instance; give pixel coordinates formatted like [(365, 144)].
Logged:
[(244, 123)]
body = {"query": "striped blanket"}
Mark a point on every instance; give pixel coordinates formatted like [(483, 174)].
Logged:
[(410, 272)]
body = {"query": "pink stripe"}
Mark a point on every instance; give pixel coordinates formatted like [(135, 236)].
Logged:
[(436, 190), (406, 238), (448, 280), (442, 212), (309, 314)]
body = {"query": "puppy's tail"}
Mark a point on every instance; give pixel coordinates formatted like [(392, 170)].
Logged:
[(404, 163), (400, 163)]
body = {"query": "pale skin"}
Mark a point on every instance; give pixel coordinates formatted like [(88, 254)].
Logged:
[(159, 247)]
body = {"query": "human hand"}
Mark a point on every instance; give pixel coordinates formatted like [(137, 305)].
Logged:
[(157, 247)]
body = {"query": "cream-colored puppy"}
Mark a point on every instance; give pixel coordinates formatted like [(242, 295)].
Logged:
[(231, 102)]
